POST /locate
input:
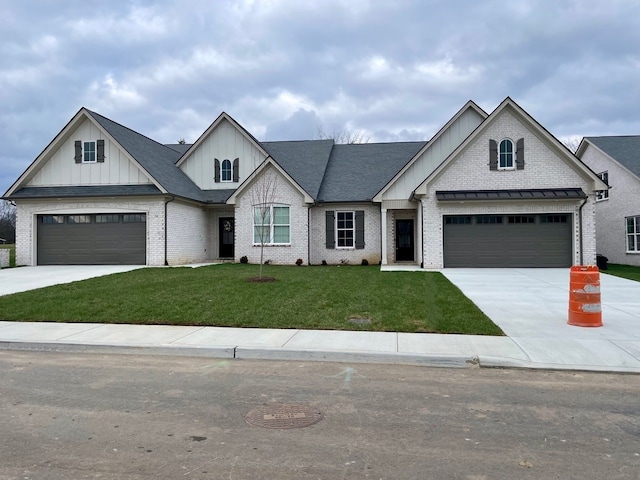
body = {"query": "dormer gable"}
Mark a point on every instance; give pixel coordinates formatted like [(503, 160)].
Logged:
[(223, 157)]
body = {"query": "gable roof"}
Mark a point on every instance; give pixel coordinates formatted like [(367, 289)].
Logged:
[(542, 133), (356, 172), (305, 161), (624, 149)]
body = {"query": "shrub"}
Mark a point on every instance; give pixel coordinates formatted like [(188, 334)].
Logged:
[(244, 259), (365, 262), (299, 262), (324, 263)]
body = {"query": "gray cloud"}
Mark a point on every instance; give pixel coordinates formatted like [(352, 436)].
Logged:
[(393, 70)]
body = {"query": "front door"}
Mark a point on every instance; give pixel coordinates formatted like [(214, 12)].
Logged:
[(226, 237), (404, 240)]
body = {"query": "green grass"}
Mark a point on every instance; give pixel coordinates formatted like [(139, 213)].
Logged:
[(12, 253), (624, 271), (221, 295)]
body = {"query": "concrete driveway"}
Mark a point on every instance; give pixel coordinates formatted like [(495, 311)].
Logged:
[(21, 279)]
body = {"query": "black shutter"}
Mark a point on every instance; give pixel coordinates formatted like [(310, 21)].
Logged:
[(520, 154), (330, 229), (236, 170), (493, 155), (78, 157), (100, 151), (359, 229), (216, 174)]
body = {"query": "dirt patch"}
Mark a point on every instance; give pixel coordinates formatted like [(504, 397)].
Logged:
[(261, 279)]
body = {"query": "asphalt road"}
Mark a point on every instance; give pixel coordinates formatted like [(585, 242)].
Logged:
[(76, 416)]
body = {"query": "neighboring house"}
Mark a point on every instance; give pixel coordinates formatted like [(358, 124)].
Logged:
[(617, 161), (492, 190)]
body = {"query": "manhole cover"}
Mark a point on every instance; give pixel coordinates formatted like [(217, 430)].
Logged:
[(283, 416)]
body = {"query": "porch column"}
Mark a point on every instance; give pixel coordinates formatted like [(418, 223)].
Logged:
[(383, 229), (419, 235)]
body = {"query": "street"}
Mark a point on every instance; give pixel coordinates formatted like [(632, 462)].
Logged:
[(75, 416)]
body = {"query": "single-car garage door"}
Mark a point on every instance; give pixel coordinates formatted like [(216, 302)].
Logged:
[(541, 240), (98, 239)]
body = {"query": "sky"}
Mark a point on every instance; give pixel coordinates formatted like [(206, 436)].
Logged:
[(292, 70)]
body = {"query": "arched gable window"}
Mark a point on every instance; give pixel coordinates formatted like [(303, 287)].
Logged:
[(505, 157), (226, 171)]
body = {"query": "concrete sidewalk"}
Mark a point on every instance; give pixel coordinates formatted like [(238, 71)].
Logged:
[(530, 305)]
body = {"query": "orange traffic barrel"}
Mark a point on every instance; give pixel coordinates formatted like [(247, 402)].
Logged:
[(585, 309)]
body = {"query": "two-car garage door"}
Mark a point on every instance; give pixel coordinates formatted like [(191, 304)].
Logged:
[(540, 240), (97, 239)]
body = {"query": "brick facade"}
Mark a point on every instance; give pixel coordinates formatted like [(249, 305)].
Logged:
[(188, 235)]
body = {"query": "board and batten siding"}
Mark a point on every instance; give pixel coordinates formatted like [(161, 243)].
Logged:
[(61, 169), (435, 154), (226, 142)]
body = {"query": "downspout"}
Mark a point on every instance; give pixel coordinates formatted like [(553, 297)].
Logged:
[(166, 230), (580, 228)]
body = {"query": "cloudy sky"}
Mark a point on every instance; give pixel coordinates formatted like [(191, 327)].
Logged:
[(287, 69)]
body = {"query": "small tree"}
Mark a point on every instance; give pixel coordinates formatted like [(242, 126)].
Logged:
[(342, 137), (263, 195)]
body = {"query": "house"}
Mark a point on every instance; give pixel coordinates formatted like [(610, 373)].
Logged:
[(488, 190), (616, 160)]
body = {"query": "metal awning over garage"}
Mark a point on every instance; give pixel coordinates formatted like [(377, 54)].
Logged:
[(526, 194), (92, 239)]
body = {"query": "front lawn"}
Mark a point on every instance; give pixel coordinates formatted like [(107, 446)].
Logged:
[(624, 271), (334, 298)]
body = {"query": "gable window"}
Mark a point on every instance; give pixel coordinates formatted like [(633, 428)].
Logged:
[(271, 225), (345, 229), (633, 234), (505, 157), (89, 152), (603, 194), (226, 171)]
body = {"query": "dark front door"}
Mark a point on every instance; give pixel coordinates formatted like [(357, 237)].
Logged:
[(226, 237), (404, 241)]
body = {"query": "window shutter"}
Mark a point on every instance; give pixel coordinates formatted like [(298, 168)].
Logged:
[(216, 174), (100, 151), (520, 154), (78, 157), (330, 229), (359, 229), (493, 155), (236, 170)]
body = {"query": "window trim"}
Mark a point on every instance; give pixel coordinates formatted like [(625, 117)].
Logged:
[(635, 233), (224, 172), (271, 225), (511, 153), (94, 152), (602, 195), (343, 229)]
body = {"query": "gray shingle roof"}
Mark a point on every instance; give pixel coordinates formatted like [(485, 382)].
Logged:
[(305, 161), (357, 172), (624, 149), (159, 160)]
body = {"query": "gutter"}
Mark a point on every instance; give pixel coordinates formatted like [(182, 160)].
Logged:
[(166, 236), (580, 229)]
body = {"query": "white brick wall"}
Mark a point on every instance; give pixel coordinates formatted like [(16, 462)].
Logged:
[(624, 201), (285, 194), (4, 258), (372, 244), (188, 234), (470, 171), (27, 211)]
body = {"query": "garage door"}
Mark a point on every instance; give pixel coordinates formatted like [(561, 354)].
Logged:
[(508, 240), (99, 239)]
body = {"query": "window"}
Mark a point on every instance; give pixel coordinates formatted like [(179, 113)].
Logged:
[(522, 219), (457, 220), (108, 218), (603, 194), (345, 229), (226, 171), (553, 218), (79, 219), (89, 154), (488, 219), (505, 159), (134, 218), (271, 225), (633, 234), (51, 219)]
